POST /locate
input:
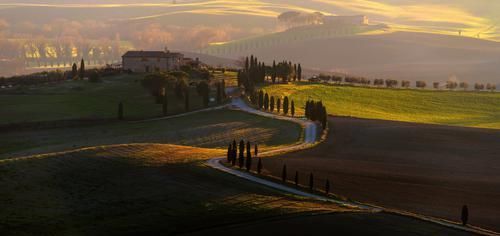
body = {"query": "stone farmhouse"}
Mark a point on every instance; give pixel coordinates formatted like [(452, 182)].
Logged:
[(152, 61)]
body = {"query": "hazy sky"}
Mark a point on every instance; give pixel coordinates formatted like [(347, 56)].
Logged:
[(446, 16)]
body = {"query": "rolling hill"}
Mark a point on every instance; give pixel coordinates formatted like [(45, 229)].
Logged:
[(398, 55), (459, 108)]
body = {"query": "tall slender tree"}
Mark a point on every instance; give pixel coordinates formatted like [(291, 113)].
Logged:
[(285, 105), (229, 153), (465, 215), (259, 166), (271, 104), (74, 71), (248, 161), (266, 102), (292, 109), (82, 69), (261, 99), (299, 72), (256, 150), (219, 93), (241, 159), (278, 105)]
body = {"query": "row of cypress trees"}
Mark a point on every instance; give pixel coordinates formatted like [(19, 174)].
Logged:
[(316, 111), (236, 155), (78, 73), (256, 72), (269, 103), (284, 178)]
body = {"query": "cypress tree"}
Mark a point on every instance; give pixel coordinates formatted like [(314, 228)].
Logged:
[(283, 174), (271, 104), (259, 166), (294, 72), (247, 64), (285, 105), (278, 105), (82, 69), (266, 102), (249, 147), (239, 78), (292, 109), (249, 158), (296, 178), (74, 71), (261, 99), (219, 93), (241, 159), (256, 150), (327, 186), (273, 73), (120, 111), (234, 153), (465, 215), (233, 156), (324, 118), (224, 95), (299, 72), (229, 153), (311, 182)]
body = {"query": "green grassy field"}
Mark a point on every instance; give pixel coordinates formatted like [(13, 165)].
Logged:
[(458, 108), (133, 189), (85, 100), (212, 129)]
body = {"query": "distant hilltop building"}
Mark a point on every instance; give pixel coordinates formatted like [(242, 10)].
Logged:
[(152, 61), (292, 19), (347, 20)]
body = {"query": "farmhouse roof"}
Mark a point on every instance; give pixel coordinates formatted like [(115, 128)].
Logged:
[(155, 54)]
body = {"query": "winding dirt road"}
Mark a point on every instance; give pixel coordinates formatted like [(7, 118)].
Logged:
[(310, 137)]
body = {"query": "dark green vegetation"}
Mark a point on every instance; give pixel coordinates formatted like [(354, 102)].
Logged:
[(133, 189), (336, 224), (256, 72), (459, 108), (84, 100), (206, 129)]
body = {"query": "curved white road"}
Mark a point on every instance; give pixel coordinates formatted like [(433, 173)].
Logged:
[(310, 128), (310, 137)]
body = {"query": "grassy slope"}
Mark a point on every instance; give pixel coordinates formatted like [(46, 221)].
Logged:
[(81, 99), (132, 189), (458, 108), (207, 129)]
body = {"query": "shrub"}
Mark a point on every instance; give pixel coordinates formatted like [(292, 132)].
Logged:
[(465, 214), (283, 174), (259, 166)]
